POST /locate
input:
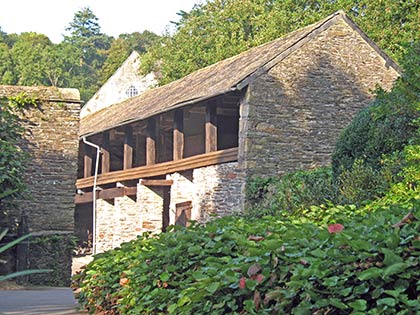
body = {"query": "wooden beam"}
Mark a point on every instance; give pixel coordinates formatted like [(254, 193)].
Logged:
[(106, 157), (151, 142), (211, 129), (201, 160), (107, 194), (178, 153), (156, 182), (87, 160), (128, 148)]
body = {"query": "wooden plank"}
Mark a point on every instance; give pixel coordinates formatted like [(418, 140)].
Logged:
[(87, 160), (111, 193), (156, 182), (85, 198), (151, 141), (106, 157), (201, 160), (211, 129), (128, 148), (107, 194), (178, 153)]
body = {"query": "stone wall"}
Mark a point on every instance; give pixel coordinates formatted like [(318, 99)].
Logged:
[(292, 115), (214, 191), (51, 141), (220, 190)]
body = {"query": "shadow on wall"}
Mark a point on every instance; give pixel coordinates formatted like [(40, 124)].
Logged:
[(297, 115)]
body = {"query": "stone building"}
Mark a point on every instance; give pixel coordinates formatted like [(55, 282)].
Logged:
[(126, 82), (185, 150), (47, 210)]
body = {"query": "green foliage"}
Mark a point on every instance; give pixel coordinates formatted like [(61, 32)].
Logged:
[(84, 60), (217, 29), (10, 245), (12, 158), (264, 266), (290, 193), (391, 122)]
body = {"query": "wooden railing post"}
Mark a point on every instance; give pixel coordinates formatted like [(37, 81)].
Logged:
[(106, 158), (151, 141), (178, 135), (128, 148), (211, 129), (87, 160)]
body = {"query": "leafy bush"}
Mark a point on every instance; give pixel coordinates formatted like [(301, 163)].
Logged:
[(11, 156), (386, 126), (265, 266), (290, 193)]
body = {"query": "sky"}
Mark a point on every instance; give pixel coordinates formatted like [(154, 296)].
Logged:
[(51, 17)]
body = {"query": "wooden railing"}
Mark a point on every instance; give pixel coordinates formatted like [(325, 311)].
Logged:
[(201, 160)]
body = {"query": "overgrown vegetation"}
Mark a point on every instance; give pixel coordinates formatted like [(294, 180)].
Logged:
[(12, 158), (272, 265), (314, 242)]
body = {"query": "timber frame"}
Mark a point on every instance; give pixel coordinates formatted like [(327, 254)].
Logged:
[(196, 136)]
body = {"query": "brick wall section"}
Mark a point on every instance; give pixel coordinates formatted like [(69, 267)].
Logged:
[(292, 116)]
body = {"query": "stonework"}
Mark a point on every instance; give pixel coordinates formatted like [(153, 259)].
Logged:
[(51, 140), (292, 115), (124, 83), (122, 220), (219, 190)]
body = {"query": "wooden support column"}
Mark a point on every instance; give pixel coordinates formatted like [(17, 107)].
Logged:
[(106, 158), (87, 160), (211, 129), (128, 148), (178, 153), (151, 142)]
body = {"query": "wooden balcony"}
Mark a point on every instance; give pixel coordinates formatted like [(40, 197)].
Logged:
[(201, 160)]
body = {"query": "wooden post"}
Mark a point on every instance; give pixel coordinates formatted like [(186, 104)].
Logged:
[(87, 160), (178, 135), (128, 148), (106, 158), (211, 129), (151, 142)]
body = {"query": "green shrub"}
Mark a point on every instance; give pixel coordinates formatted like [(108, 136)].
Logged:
[(265, 266), (361, 183), (291, 193), (11, 156), (386, 126)]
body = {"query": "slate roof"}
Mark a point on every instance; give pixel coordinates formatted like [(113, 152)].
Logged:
[(222, 77)]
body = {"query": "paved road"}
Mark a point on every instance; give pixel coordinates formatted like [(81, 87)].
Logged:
[(48, 301)]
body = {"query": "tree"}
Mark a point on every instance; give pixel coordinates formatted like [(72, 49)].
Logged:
[(30, 56), (218, 29), (90, 45), (7, 69)]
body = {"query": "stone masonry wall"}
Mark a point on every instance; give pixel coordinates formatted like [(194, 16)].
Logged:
[(219, 190), (216, 190), (51, 141), (292, 115)]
